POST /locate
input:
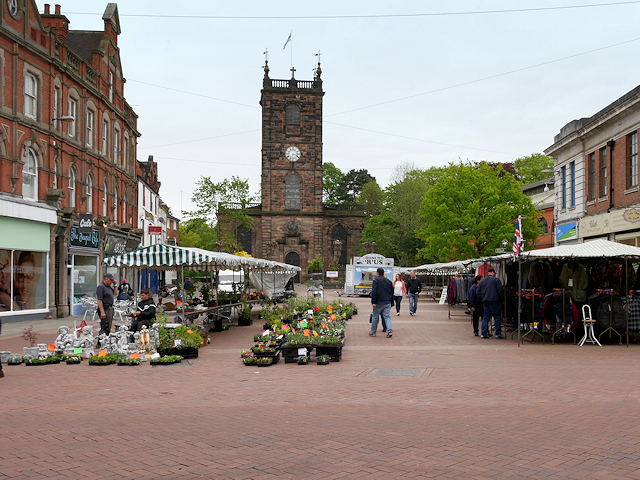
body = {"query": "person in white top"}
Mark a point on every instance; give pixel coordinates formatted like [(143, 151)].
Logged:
[(399, 290)]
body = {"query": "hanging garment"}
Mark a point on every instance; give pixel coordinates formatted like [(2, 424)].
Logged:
[(607, 304), (634, 314), (606, 275), (541, 277), (452, 291), (574, 280), (532, 312)]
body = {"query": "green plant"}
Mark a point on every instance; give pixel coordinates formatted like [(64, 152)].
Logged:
[(36, 361), (316, 263), (264, 360), (245, 313), (251, 360), (129, 361), (303, 359), (14, 360), (323, 358), (187, 337)]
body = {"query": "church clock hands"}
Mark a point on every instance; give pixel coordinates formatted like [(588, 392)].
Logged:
[(12, 6), (292, 153)]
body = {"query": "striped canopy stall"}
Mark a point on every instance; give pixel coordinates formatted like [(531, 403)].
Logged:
[(161, 256)]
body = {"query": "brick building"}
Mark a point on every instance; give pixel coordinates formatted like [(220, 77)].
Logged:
[(291, 224), (596, 163), (543, 198), (67, 147)]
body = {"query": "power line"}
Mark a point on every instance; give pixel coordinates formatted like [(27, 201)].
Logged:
[(420, 139), (200, 139), (484, 78), (388, 15), (206, 161)]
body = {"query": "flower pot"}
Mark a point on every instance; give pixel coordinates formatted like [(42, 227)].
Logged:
[(303, 363), (322, 363)]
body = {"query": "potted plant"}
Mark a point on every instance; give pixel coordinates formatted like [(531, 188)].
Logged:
[(223, 298), (246, 354), (323, 359), (250, 361), (73, 360), (166, 360), (129, 361), (181, 340), (316, 264), (36, 361), (244, 316), (264, 361), (303, 360), (14, 360)]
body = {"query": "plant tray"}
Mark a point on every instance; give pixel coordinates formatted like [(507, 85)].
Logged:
[(322, 363), (250, 364), (245, 323), (190, 352), (264, 364), (334, 352), (303, 363), (75, 362), (275, 357), (128, 364)]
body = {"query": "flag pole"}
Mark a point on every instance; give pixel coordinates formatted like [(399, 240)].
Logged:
[(519, 298)]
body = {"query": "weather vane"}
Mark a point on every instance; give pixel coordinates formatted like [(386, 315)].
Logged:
[(266, 54), (318, 55)]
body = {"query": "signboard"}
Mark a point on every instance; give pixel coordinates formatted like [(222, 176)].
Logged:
[(155, 230), (568, 231), (84, 240), (85, 225), (443, 297), (116, 243), (501, 250), (373, 259), (148, 216), (332, 274)]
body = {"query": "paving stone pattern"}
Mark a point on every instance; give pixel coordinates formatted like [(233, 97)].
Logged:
[(477, 409)]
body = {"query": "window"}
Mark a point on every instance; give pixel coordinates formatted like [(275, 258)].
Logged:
[(292, 115), (90, 127), (632, 176), (563, 200), (544, 225), (144, 197), (105, 137), (105, 187), (72, 109), (115, 201), (572, 178), (72, 188), (125, 160), (56, 173), (592, 177), (30, 96), (89, 195), (116, 144), (292, 192), (30, 176), (57, 94), (603, 172), (111, 87)]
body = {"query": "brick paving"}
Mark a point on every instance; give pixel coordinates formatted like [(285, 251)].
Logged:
[(477, 409)]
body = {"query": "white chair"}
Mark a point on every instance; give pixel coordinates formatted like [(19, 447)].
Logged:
[(90, 305), (589, 335)]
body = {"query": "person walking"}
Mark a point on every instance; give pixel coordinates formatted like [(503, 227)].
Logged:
[(491, 293), (414, 287), (145, 311), (104, 294), (475, 304), (399, 290), (381, 298)]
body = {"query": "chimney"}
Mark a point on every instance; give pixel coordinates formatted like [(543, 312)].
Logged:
[(57, 22)]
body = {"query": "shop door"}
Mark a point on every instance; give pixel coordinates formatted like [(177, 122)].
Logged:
[(293, 258)]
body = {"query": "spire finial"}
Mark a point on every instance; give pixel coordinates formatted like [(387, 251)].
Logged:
[(266, 63), (293, 73), (318, 70)]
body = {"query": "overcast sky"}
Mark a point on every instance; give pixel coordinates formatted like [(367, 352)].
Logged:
[(369, 67)]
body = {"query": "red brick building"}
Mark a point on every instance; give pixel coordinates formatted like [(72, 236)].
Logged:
[(291, 224), (543, 198), (67, 147)]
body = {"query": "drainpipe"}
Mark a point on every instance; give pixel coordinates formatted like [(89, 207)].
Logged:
[(611, 144)]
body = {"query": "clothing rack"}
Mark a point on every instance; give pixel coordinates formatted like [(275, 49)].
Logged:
[(459, 305), (564, 330), (610, 329), (533, 331)]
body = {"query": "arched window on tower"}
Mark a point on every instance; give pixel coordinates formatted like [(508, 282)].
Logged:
[(292, 115), (292, 192), (292, 258), (244, 238), (340, 233)]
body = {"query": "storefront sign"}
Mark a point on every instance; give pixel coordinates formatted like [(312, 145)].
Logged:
[(568, 231), (116, 243), (620, 220), (148, 216), (332, 274), (84, 240), (594, 225), (373, 259), (85, 224), (155, 230)]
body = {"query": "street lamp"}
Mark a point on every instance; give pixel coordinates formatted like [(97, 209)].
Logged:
[(66, 118)]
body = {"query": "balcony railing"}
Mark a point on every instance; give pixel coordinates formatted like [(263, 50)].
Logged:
[(343, 208)]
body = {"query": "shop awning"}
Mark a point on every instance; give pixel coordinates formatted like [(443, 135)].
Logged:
[(594, 249)]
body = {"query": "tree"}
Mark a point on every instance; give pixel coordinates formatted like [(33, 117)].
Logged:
[(371, 198), (531, 169), (332, 177), (222, 205), (196, 232), (351, 185), (470, 209)]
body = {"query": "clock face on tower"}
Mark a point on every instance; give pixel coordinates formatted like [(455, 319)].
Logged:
[(292, 153), (12, 6)]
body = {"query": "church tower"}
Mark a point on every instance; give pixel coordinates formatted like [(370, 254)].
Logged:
[(291, 224)]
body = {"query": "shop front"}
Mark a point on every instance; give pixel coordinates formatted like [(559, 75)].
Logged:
[(621, 225), (117, 242), (25, 244), (83, 265)]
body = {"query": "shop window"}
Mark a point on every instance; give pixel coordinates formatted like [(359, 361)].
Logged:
[(30, 176), (23, 283), (603, 172), (85, 277), (292, 192), (89, 194)]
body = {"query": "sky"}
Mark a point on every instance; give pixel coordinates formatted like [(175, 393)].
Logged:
[(419, 82)]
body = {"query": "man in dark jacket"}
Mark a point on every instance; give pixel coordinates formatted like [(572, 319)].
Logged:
[(475, 304), (145, 312), (491, 293), (414, 287), (381, 297)]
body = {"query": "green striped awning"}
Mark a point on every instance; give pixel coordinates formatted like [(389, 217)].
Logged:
[(161, 255)]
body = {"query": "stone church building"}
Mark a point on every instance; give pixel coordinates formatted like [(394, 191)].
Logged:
[(291, 224)]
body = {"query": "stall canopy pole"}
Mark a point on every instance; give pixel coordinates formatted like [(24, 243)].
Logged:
[(519, 297), (626, 287), (184, 321)]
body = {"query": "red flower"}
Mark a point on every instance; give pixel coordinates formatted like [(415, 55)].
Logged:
[(316, 309)]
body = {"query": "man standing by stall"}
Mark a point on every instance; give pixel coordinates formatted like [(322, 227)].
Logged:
[(104, 295), (491, 294)]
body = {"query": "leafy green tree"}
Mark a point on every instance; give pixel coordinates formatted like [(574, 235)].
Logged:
[(530, 169), (470, 209), (196, 232), (351, 186), (371, 198), (332, 177), (223, 205)]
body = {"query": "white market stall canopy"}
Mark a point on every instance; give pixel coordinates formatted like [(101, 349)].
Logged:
[(594, 249), (162, 256)]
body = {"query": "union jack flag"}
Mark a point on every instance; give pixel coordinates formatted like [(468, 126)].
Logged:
[(518, 240)]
